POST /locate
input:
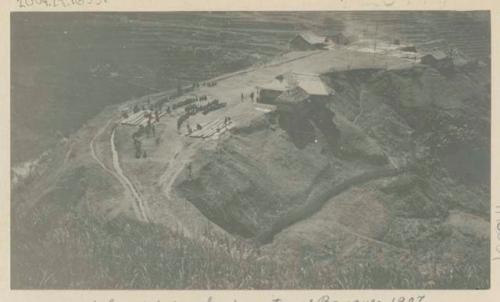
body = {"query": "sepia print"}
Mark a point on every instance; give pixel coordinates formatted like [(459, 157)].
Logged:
[(250, 150)]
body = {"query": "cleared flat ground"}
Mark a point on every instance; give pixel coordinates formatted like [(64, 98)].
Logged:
[(318, 62)]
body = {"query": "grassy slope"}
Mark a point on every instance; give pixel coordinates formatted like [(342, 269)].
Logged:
[(93, 252)]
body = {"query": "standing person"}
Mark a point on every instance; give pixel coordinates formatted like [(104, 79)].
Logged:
[(190, 171), (242, 97), (148, 127), (251, 96), (137, 147), (179, 123)]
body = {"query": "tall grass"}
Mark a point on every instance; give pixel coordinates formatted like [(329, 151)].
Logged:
[(79, 251)]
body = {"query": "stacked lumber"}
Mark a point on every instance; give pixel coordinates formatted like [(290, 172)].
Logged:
[(185, 102), (139, 118), (144, 121), (134, 118), (214, 127)]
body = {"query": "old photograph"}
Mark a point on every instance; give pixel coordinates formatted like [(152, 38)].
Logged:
[(250, 150)]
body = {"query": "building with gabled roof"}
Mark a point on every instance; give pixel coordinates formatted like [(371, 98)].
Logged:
[(295, 95), (436, 58), (436, 54), (308, 41), (339, 39), (312, 84)]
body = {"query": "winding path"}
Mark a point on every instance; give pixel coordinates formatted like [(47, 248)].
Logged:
[(94, 154), (125, 181), (138, 204)]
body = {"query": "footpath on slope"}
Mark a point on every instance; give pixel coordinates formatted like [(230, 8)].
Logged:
[(138, 204), (126, 182)]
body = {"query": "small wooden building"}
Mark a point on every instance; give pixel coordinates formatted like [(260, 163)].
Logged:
[(436, 58), (408, 48), (308, 41), (339, 39), (312, 84), (292, 100)]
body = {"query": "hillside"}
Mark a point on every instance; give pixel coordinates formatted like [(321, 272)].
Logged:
[(384, 183)]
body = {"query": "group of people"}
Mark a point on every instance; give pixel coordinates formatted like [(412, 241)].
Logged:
[(200, 105), (251, 95), (151, 117), (152, 113), (190, 130), (227, 121), (194, 108)]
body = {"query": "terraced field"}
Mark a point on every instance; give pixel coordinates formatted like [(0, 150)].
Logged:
[(466, 31)]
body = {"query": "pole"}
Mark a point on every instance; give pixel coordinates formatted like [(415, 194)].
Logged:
[(375, 40)]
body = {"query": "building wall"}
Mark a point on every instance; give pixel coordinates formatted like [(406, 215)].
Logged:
[(299, 109), (428, 60), (267, 96), (441, 64), (340, 40), (321, 99)]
